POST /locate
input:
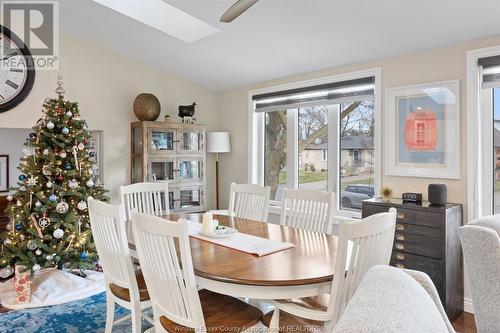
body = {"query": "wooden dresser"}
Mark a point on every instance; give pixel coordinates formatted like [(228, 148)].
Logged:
[(427, 240)]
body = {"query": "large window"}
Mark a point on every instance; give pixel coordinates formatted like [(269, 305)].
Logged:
[(310, 141)]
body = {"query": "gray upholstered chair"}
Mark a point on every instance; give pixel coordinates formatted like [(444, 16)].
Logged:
[(392, 300), (481, 247)]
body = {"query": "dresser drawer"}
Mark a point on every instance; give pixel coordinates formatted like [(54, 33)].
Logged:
[(431, 267), (432, 219), (419, 245)]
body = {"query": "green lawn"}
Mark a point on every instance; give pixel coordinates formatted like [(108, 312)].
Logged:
[(309, 176), (497, 185)]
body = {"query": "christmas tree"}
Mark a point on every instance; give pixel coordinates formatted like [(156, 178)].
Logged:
[(49, 222)]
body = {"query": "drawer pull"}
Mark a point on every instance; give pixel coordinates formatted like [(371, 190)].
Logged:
[(400, 215), (399, 246), (398, 265), (400, 227), (400, 256), (400, 237)]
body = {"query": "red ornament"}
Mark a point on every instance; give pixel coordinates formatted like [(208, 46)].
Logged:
[(85, 141), (59, 110), (60, 178), (56, 150)]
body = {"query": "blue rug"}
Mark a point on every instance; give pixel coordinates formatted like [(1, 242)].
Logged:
[(84, 316)]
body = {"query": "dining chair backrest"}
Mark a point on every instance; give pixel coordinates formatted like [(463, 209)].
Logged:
[(308, 209), (362, 244), (149, 198), (109, 232), (168, 269), (249, 201)]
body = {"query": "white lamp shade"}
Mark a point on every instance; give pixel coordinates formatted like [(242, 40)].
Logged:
[(218, 142)]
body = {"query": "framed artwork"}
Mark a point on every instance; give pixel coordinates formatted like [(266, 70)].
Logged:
[(423, 130), (4, 173)]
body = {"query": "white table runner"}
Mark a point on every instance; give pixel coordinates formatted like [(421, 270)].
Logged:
[(242, 242)]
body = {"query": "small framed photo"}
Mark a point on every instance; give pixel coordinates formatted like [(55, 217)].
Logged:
[(423, 130), (4, 173)]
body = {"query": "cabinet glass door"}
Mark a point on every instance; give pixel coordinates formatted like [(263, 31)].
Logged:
[(161, 141), (190, 141), (163, 170), (190, 169), (190, 198), (171, 200)]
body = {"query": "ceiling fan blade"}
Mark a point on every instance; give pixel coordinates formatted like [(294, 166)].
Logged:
[(236, 10)]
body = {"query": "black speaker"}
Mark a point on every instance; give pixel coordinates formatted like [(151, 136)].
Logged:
[(437, 194)]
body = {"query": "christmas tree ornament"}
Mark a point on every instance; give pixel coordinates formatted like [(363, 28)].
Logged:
[(49, 184), (65, 130), (32, 181), (38, 252), (92, 154), (6, 272), (85, 141), (46, 171), (19, 227), (31, 245), (32, 135), (82, 205), (90, 183), (28, 151), (73, 184), (81, 146), (62, 207), (44, 221), (45, 151), (36, 267), (84, 255), (58, 233), (49, 257), (62, 154), (19, 203), (50, 125), (38, 204), (10, 197), (22, 177), (94, 167), (59, 178), (7, 241), (69, 114), (52, 198), (68, 166), (22, 188)]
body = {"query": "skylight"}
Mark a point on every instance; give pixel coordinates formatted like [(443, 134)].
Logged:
[(164, 17)]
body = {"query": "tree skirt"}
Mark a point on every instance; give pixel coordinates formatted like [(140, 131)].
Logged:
[(82, 316), (52, 287)]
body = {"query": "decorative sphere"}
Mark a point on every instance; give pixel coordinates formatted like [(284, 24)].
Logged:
[(94, 167), (68, 166), (10, 198), (36, 267), (22, 188), (52, 198), (33, 135), (22, 177), (90, 183), (19, 227), (38, 204), (84, 255), (45, 151), (65, 130), (19, 203), (7, 241), (28, 151), (31, 245), (82, 205), (62, 207), (73, 184), (146, 107), (38, 252), (50, 125), (69, 113), (81, 146), (49, 184), (58, 233), (59, 178), (62, 154), (49, 257), (6, 272), (92, 154)]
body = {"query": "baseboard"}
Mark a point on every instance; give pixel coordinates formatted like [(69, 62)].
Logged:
[(468, 305)]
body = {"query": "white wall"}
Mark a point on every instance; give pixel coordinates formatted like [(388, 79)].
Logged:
[(105, 85), (12, 143)]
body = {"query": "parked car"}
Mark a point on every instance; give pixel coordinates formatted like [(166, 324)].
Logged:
[(355, 194)]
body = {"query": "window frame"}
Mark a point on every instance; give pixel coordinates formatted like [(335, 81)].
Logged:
[(480, 162), (256, 128)]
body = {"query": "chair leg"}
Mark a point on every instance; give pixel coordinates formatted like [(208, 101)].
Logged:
[(136, 317), (274, 325), (110, 314)]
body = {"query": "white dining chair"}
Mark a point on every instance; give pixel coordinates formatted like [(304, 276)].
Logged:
[(124, 285), (308, 209), (361, 245), (165, 255), (249, 201)]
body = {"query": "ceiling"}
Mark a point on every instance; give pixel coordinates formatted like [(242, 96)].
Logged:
[(277, 38)]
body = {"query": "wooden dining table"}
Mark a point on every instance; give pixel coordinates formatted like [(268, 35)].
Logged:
[(301, 271)]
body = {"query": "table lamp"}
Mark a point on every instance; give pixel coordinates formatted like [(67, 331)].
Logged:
[(218, 142)]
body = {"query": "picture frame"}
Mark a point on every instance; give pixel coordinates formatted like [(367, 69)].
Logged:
[(423, 130), (4, 173)]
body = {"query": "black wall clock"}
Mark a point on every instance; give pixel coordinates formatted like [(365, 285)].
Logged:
[(17, 73)]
